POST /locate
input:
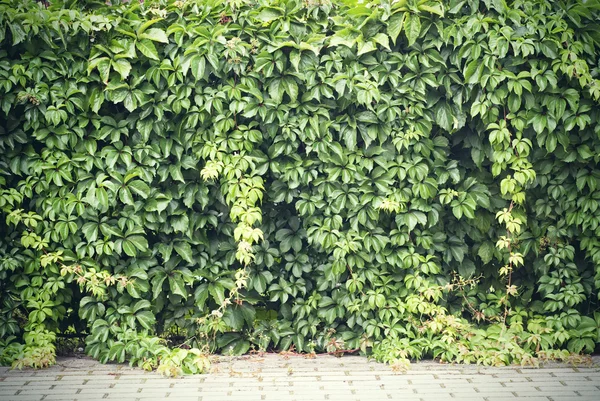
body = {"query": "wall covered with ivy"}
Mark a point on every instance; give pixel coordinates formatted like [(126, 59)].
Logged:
[(406, 179)]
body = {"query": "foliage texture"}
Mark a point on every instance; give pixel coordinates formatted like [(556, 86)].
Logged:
[(407, 179)]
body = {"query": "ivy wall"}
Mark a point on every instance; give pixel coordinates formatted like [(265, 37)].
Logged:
[(406, 179)]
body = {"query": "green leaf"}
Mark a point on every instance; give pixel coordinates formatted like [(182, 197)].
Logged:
[(233, 318), (140, 242), (486, 252), (466, 269), (147, 48), (337, 150), (141, 304), (346, 37), (117, 352), (276, 90), (177, 286), (198, 65), (17, 32), (443, 116), (180, 223), (146, 319), (433, 9), (539, 123), (159, 204), (139, 188), (239, 347), (155, 34), (184, 250), (383, 40), (110, 230), (122, 66), (365, 47), (413, 218), (90, 231), (473, 72), (138, 288), (412, 28), (458, 253), (238, 315), (291, 88), (104, 69), (129, 248), (157, 285), (217, 291), (125, 196), (102, 197), (96, 99), (268, 14), (294, 60), (395, 24), (514, 102), (550, 49), (585, 152), (147, 25)]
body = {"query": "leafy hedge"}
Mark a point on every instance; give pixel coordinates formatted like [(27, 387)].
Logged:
[(408, 179)]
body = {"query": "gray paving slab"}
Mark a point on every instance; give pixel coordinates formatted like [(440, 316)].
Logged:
[(287, 378)]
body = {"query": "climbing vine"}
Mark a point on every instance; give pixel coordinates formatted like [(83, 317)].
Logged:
[(404, 179)]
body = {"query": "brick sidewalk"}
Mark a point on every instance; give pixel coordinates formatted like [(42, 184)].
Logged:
[(274, 377)]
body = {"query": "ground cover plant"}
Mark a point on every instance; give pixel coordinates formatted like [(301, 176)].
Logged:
[(405, 179)]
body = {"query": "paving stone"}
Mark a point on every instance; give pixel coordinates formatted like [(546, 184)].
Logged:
[(4, 397), (449, 397), (178, 398), (569, 398), (590, 393), (13, 387), (506, 398), (273, 377), (535, 393)]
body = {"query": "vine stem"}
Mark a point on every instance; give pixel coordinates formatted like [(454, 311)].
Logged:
[(509, 283)]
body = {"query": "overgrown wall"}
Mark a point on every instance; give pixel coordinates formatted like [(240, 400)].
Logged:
[(408, 179)]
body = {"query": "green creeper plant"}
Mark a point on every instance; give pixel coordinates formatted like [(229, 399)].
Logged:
[(403, 179)]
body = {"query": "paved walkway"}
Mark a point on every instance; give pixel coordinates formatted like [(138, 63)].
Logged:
[(280, 378)]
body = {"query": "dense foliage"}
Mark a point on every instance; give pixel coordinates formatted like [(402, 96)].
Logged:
[(410, 178)]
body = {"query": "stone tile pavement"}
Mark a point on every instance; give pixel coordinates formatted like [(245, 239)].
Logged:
[(281, 378)]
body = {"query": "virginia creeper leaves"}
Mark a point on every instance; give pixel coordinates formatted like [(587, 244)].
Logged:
[(341, 165)]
